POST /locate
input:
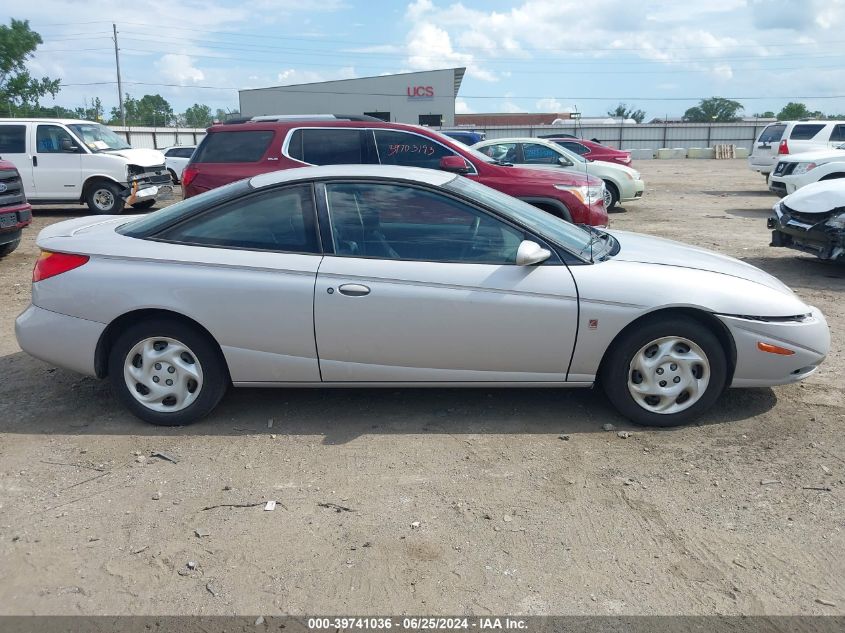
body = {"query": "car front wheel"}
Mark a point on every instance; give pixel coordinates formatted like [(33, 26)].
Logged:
[(666, 372), (104, 198), (166, 372)]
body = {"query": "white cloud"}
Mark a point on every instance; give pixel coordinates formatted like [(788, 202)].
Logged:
[(291, 76), (429, 47), (461, 107), (549, 104), (511, 107), (179, 69)]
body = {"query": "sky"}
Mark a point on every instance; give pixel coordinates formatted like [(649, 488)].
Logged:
[(521, 56)]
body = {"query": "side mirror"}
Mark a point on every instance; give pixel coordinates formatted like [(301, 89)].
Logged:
[(69, 146), (530, 253), (455, 164), (565, 162)]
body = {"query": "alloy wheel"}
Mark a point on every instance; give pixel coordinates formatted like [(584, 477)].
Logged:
[(668, 375), (163, 374)]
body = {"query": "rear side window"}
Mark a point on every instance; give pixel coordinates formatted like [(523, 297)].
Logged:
[(12, 139), (805, 131), (772, 134), (574, 147), (838, 134), (409, 150), (337, 146), (248, 146), (539, 154), (279, 220)]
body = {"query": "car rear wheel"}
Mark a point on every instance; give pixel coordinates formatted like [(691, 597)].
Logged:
[(166, 372), (173, 177), (104, 198), (665, 373), (8, 247)]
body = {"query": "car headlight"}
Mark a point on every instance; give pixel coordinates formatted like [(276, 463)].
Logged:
[(585, 193), (803, 168), (836, 222)]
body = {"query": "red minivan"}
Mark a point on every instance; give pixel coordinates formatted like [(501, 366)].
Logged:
[(233, 151)]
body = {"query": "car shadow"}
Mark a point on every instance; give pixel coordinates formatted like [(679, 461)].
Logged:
[(734, 193), (803, 271), (617, 209), (39, 399)]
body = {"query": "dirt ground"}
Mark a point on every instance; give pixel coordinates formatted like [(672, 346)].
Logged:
[(439, 501)]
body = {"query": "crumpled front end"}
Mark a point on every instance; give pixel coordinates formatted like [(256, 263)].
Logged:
[(821, 234)]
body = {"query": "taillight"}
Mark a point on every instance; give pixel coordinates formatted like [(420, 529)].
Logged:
[(188, 174), (52, 264), (783, 148)]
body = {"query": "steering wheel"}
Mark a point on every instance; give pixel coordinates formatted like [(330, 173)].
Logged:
[(473, 234)]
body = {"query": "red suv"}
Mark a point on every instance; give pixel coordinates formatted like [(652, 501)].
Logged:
[(592, 150), (233, 151), (15, 212)]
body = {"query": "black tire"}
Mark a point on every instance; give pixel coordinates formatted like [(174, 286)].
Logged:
[(215, 377), (103, 198), (614, 194), (173, 177), (8, 247), (145, 204), (616, 369)]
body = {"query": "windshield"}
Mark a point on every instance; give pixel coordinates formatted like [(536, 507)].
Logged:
[(571, 237), (575, 158), (98, 138)]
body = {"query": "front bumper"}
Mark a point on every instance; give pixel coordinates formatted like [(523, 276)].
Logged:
[(634, 190), (808, 338), (59, 339), (825, 242)]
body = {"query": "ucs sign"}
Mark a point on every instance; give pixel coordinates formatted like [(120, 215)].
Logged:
[(420, 92)]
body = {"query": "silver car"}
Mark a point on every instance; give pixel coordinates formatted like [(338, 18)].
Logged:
[(346, 276)]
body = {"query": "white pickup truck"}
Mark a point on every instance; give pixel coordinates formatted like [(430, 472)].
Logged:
[(69, 160)]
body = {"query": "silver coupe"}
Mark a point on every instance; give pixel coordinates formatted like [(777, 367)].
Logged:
[(350, 276)]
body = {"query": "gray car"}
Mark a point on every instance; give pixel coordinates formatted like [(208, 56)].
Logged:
[(348, 276)]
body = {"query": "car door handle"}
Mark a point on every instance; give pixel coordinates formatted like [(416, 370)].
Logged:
[(35, 161), (354, 290)]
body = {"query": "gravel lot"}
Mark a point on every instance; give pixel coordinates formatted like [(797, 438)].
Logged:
[(439, 501)]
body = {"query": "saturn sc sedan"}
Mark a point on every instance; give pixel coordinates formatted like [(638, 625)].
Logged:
[(374, 276)]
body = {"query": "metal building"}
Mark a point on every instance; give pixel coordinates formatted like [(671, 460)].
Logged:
[(425, 98)]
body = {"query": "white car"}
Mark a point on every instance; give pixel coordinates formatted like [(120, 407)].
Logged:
[(793, 137), (377, 276), (622, 184), (176, 158), (812, 220), (75, 161), (797, 170)]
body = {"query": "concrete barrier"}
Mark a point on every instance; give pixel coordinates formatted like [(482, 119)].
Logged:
[(665, 153), (742, 152), (701, 152), (641, 154)]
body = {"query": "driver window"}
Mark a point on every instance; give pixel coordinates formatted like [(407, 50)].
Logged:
[(537, 154), (502, 152), (402, 222), (49, 138)]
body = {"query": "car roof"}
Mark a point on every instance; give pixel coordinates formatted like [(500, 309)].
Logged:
[(521, 139), (46, 120), (415, 174), (328, 123)]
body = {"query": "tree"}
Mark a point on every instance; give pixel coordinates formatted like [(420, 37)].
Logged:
[(197, 116), (768, 114), (149, 110), (716, 109), (622, 111), (793, 111), (17, 87)]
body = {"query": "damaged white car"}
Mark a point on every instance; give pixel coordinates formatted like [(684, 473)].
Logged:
[(812, 220)]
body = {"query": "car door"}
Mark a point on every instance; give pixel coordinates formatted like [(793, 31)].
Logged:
[(423, 287), (56, 163), (837, 136)]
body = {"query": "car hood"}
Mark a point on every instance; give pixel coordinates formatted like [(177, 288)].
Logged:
[(817, 197), (140, 156), (646, 249), (822, 156)]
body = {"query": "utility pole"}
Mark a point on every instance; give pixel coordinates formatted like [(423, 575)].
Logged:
[(119, 85)]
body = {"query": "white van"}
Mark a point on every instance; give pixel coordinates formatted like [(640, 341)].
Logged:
[(793, 137), (70, 160)]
